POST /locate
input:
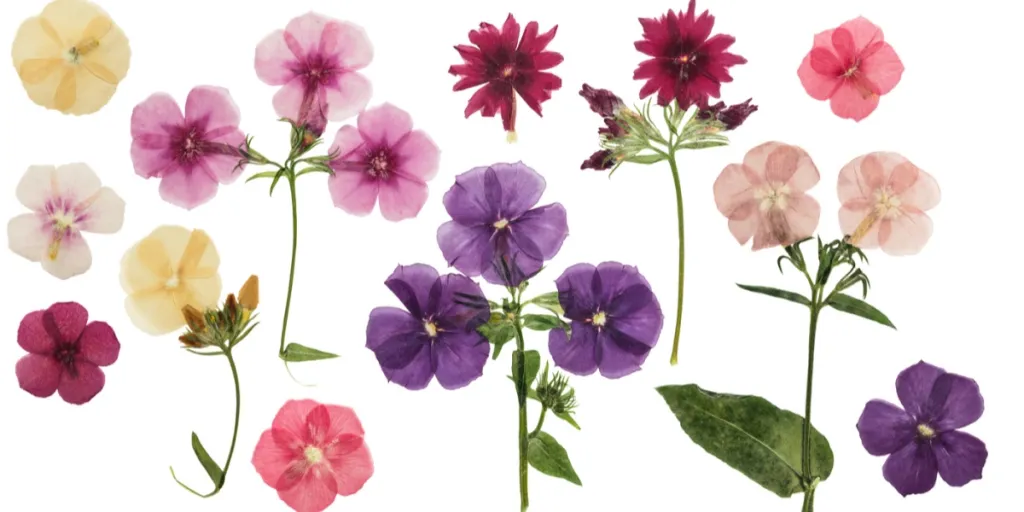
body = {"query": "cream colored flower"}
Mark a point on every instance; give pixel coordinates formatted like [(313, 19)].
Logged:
[(71, 57), (171, 268)]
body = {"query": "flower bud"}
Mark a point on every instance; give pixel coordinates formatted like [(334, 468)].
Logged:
[(602, 101), (194, 319), (191, 340), (249, 295), (232, 309), (731, 116)]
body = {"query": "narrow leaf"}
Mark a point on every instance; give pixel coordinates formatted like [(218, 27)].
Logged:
[(277, 178), (264, 174), (777, 293), (212, 468), (645, 159), (548, 457), (295, 353), (702, 144), (542, 322), (532, 366), (548, 301), (855, 306), (567, 417)]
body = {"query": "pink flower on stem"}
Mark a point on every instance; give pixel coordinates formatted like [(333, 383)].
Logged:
[(382, 158), (192, 153), (884, 199), (765, 196), (852, 66), (312, 453)]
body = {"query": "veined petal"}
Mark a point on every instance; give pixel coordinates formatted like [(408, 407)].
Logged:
[(576, 355), (346, 96), (352, 469), (83, 384), (348, 43), (914, 387), (911, 469), (103, 212), (33, 335), (154, 312), (906, 234), (36, 186), (418, 155), (39, 375), (955, 402), (849, 102), (885, 428), (271, 459), (467, 248), (155, 115), (883, 68), (412, 285), (460, 358), (275, 63), (188, 188), (961, 457), (355, 192), (72, 257), (98, 344), (734, 189), (384, 125), (29, 236), (211, 108), (312, 492)]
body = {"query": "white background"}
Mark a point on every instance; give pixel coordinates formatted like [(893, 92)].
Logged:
[(957, 304)]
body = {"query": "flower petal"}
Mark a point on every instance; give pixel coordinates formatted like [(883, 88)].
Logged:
[(911, 469), (914, 187), (384, 125), (348, 44), (98, 344), (883, 68), (314, 492), (346, 96), (417, 373), (575, 292), (460, 357), (466, 201), (802, 214), (447, 304), (955, 402), (412, 285), (270, 459), (39, 375), (914, 387), (619, 355), (395, 337), (885, 428), (352, 470), (386, 323), (73, 257), (961, 457), (103, 212), (155, 115), (343, 422), (467, 248), (576, 355), (187, 188), (82, 385), (76, 181), (288, 99), (33, 335), (862, 33), (154, 312), (305, 32), (734, 190), (793, 166), (355, 192), (211, 108), (818, 86), (418, 155), (849, 102), (850, 217), (905, 235), (401, 197), (861, 178), (275, 63), (147, 265), (36, 187), (29, 235), (545, 227), (293, 417)]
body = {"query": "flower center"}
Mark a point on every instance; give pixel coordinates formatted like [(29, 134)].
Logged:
[(925, 432), (507, 71), (773, 195), (431, 328), (172, 283), (65, 354), (191, 146), (313, 455), (599, 319), (81, 49), (887, 204), (379, 164), (501, 224), (62, 221)]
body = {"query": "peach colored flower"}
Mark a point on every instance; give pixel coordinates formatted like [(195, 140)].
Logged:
[(171, 268), (884, 197), (765, 196), (71, 57)]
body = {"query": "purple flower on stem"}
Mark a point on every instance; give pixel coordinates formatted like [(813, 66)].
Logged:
[(436, 333), (922, 439), (493, 220), (616, 320)]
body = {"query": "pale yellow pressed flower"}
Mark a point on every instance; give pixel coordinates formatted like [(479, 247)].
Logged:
[(71, 57), (168, 270)]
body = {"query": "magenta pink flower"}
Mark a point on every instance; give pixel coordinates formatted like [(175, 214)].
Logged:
[(190, 154), (765, 196), (884, 199), (312, 453), (65, 353), (316, 59), (383, 158)]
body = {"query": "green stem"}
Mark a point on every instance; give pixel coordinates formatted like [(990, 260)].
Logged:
[(524, 493), (540, 421), (682, 256), (295, 245), (808, 505), (805, 462), (238, 414)]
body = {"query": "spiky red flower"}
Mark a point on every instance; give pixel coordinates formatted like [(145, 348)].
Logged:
[(686, 64), (505, 68)]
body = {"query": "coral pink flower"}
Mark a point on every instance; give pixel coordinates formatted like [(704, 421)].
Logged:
[(316, 59), (384, 157), (312, 453), (884, 197), (852, 66), (65, 353), (765, 196), (190, 154)]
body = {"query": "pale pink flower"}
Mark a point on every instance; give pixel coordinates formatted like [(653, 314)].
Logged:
[(384, 157), (884, 197), (189, 153), (312, 453), (765, 196)]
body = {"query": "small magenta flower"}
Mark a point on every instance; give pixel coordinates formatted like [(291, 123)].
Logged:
[(609, 106), (731, 116), (616, 320)]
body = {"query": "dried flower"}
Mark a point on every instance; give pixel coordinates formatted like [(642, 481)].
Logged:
[(249, 295), (731, 116), (609, 106), (194, 319)]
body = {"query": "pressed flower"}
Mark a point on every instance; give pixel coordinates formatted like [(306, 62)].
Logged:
[(71, 57), (731, 116), (686, 65), (851, 66), (435, 335), (382, 158), (505, 68), (192, 153), (65, 202), (494, 219), (171, 268), (922, 439), (607, 105), (316, 59), (765, 196), (616, 320), (65, 353), (312, 453), (884, 198)]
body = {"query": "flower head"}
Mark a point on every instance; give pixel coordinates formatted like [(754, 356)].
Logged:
[(171, 268), (71, 57), (765, 196), (851, 66), (685, 65), (65, 353), (506, 68), (494, 219), (317, 60), (189, 153), (609, 106), (922, 440), (65, 201), (731, 116), (436, 333), (616, 320), (312, 453), (382, 158), (222, 327), (884, 199)]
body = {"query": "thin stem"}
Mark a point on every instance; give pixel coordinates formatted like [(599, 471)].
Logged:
[(524, 493), (805, 462), (682, 256), (808, 505), (540, 421), (238, 413), (290, 175)]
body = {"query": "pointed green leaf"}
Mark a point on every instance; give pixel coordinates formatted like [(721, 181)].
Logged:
[(855, 306), (212, 468), (498, 332), (548, 301), (273, 184), (548, 457), (567, 417), (702, 144), (645, 159), (532, 366), (295, 353), (265, 174), (777, 293), (542, 322)]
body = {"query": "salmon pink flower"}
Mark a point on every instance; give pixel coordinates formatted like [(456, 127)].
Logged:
[(312, 453), (851, 66), (765, 196), (65, 353), (884, 199)]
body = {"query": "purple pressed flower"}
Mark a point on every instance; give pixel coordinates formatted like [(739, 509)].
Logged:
[(922, 439), (436, 333), (616, 320), (492, 221)]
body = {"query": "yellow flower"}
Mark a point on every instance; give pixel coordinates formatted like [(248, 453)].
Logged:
[(168, 270), (71, 57)]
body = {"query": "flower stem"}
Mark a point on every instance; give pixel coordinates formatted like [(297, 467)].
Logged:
[(524, 493), (290, 175), (808, 505), (805, 461), (682, 256), (540, 421), (238, 413)]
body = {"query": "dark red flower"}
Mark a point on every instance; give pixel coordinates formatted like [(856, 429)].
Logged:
[(731, 116), (606, 104), (686, 64), (505, 68)]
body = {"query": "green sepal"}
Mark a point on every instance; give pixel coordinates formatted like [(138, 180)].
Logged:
[(295, 353), (777, 293)]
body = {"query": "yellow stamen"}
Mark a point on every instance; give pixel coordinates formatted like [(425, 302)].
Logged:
[(60, 230), (863, 228), (511, 137), (431, 329), (313, 455), (925, 431), (501, 224), (600, 319)]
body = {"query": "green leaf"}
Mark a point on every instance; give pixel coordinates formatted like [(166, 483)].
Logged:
[(855, 306), (498, 332), (212, 469), (548, 457), (542, 322), (702, 144), (548, 301), (277, 178), (645, 159), (264, 174), (751, 435), (567, 417), (777, 293), (532, 366), (295, 353)]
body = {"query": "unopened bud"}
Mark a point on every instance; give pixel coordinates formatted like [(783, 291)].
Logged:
[(249, 295), (190, 340), (194, 319)]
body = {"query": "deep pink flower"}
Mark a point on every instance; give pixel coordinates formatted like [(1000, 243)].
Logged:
[(384, 157), (65, 353), (851, 66), (312, 453), (317, 60), (190, 154)]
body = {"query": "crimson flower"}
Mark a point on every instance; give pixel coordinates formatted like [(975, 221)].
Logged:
[(505, 68)]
